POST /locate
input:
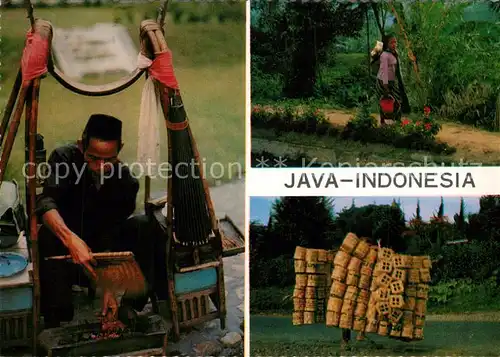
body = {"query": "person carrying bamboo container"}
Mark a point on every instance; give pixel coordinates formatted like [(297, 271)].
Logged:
[(86, 204)]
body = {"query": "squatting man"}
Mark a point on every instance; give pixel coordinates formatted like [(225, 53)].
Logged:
[(87, 214)]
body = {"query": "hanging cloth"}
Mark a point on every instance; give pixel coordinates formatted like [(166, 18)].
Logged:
[(148, 144)]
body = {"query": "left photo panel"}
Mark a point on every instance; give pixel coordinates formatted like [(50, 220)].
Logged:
[(122, 178)]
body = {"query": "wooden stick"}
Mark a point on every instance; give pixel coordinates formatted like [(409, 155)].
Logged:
[(10, 106), (11, 136), (97, 256), (32, 120)]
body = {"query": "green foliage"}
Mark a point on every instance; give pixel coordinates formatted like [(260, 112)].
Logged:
[(458, 66), (275, 299), (292, 38), (384, 222), (464, 295), (204, 12)]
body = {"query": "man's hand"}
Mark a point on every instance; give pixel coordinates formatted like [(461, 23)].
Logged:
[(81, 253), (109, 305)]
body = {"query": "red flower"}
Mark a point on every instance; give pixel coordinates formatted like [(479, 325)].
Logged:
[(428, 126), (256, 109), (418, 123), (427, 110), (405, 122)]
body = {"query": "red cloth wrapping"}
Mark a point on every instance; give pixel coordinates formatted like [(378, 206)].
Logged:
[(162, 70), (35, 56)]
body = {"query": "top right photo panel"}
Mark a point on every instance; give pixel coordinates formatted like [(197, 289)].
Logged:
[(337, 84)]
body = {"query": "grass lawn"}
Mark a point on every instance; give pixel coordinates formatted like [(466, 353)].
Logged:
[(276, 336), (209, 60)]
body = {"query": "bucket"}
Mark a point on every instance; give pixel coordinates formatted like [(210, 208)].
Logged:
[(361, 250), (387, 104), (341, 259), (332, 318), (334, 304), (298, 318), (300, 253), (350, 242)]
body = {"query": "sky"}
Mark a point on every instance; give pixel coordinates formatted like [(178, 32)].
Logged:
[(260, 207)]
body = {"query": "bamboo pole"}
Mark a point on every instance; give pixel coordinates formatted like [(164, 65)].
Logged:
[(10, 106)]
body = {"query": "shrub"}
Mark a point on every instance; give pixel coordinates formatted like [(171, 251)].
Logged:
[(417, 135)]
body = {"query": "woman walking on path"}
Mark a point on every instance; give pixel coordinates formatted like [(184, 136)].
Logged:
[(389, 79)]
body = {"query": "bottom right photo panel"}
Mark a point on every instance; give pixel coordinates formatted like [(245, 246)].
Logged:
[(384, 276)]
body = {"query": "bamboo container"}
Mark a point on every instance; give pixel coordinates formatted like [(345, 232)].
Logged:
[(381, 294), (383, 308), (361, 250), (310, 305), (422, 291), (313, 268), (409, 303), (395, 316), (407, 317), (300, 253), (354, 265), (334, 304), (312, 280), (383, 280), (397, 287), (371, 257), (383, 328), (371, 326), (363, 296), (322, 256), (398, 261), (384, 266), (298, 318), (399, 274), (420, 307), (395, 331), (339, 273), (414, 276), (396, 301), (364, 282), (332, 318), (301, 281), (350, 242), (338, 289), (299, 304), (407, 331), (299, 293), (385, 254), (352, 278), (411, 290), (321, 293), (360, 310), (426, 263), (310, 292), (331, 256), (425, 275), (342, 259), (366, 269), (359, 324), (345, 321), (417, 262), (300, 266), (312, 256), (371, 312), (419, 320), (351, 293), (348, 307), (309, 318)]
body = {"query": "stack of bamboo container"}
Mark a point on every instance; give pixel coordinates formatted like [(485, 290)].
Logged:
[(375, 290), (312, 281)]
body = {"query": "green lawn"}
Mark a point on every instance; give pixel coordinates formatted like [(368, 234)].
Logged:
[(209, 60), (276, 336)]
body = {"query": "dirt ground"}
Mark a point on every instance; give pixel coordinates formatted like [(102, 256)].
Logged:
[(462, 137)]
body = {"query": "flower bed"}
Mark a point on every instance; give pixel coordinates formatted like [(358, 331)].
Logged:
[(417, 134)]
